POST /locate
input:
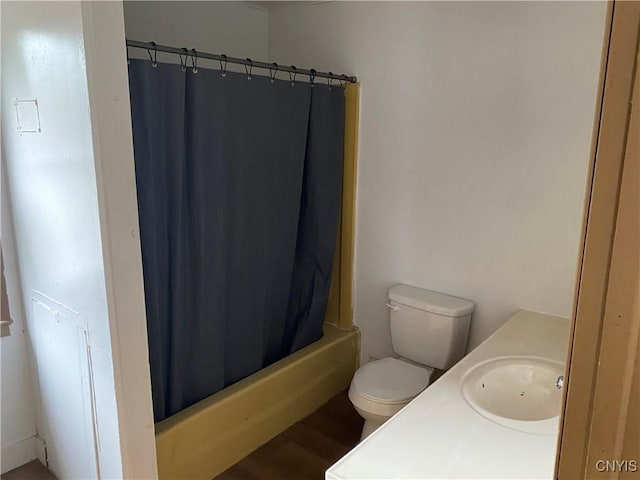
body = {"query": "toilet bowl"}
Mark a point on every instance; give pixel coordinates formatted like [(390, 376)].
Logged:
[(382, 388), (429, 330)]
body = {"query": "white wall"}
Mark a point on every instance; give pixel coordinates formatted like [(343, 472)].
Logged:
[(72, 194), (233, 28), (17, 402), (475, 131)]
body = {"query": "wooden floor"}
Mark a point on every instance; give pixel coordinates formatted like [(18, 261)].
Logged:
[(305, 450), (302, 452), (29, 471)]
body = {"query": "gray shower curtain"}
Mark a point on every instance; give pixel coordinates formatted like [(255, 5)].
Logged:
[(239, 189)]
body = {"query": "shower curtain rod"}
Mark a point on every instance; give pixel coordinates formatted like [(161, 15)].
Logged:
[(247, 62)]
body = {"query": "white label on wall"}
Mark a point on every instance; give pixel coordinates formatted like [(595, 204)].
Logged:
[(28, 116)]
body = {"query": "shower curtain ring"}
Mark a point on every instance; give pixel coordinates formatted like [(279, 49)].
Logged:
[(330, 79), (312, 76), (223, 67), (154, 58), (273, 72), (292, 75), (249, 68), (183, 61), (194, 60), (343, 81)]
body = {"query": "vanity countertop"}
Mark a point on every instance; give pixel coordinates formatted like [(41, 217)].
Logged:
[(439, 435)]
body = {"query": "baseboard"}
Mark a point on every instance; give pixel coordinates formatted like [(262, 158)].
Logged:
[(209, 437), (41, 451), (17, 454)]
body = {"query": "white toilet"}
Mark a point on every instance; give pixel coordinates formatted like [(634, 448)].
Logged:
[(428, 330)]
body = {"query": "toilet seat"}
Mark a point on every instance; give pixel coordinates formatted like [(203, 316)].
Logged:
[(389, 382)]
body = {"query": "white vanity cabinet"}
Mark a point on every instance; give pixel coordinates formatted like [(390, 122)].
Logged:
[(441, 435)]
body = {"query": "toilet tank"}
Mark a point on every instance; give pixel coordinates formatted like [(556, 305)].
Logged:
[(427, 327)]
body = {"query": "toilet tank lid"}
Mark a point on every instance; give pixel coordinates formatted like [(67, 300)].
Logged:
[(430, 301)]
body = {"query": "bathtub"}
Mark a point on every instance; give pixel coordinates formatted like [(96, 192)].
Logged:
[(215, 433)]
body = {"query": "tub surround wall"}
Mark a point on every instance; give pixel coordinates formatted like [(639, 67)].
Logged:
[(340, 303), (476, 120)]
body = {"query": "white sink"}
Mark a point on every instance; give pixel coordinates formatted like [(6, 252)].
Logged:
[(516, 392)]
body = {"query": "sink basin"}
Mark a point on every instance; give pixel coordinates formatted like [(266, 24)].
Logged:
[(516, 392)]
